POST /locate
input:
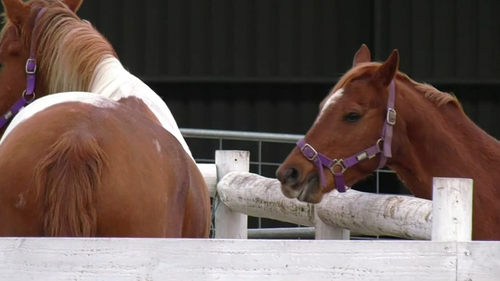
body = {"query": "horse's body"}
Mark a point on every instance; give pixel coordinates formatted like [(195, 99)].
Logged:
[(431, 137), (102, 154)]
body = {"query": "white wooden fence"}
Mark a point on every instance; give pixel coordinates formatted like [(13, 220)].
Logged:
[(243, 193), (446, 221)]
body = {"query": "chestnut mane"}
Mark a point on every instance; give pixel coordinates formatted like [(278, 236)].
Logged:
[(435, 96)]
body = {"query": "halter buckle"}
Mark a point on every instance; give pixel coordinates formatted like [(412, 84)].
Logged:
[(391, 116), (30, 69), (311, 154), (339, 163)]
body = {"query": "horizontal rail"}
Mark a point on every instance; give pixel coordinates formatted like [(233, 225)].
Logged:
[(282, 233), (361, 212), (306, 232), (259, 196), (240, 135), (209, 172), (132, 259)]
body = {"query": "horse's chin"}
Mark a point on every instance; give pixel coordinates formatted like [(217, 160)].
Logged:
[(312, 198), (311, 193)]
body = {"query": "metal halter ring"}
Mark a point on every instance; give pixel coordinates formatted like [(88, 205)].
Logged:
[(380, 143), (33, 95), (339, 163)]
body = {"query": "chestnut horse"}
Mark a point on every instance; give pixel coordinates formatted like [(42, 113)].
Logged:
[(357, 131), (97, 153)]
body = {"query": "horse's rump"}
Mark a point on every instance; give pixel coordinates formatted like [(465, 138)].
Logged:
[(69, 176), (102, 169)]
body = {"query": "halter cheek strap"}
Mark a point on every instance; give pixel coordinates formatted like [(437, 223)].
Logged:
[(338, 166), (28, 95)]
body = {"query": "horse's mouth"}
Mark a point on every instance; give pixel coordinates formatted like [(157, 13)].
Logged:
[(311, 189)]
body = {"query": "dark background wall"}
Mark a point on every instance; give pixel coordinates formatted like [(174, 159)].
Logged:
[(444, 42)]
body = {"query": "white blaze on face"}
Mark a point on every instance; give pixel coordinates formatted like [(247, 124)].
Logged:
[(330, 101)]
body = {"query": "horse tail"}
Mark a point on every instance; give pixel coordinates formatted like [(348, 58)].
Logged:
[(69, 176)]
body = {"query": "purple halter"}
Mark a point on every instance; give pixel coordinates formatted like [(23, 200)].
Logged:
[(28, 95), (338, 166)]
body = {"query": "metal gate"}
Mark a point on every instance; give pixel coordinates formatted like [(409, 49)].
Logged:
[(264, 164)]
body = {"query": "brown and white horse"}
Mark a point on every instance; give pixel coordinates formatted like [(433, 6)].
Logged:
[(358, 130), (97, 153)]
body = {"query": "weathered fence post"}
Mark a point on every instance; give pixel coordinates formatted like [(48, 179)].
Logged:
[(329, 232), (229, 224), (452, 209)]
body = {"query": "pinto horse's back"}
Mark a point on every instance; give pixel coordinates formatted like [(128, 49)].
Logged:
[(98, 169)]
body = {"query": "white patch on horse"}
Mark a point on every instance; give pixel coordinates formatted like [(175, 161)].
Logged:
[(112, 80), (330, 101), (20, 204), (157, 144), (45, 102)]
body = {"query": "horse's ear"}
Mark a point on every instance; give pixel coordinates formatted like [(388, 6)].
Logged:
[(73, 5), (16, 11), (362, 55), (388, 69)]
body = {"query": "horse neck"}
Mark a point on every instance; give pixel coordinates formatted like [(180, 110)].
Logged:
[(442, 142), (109, 76), (113, 81), (70, 67)]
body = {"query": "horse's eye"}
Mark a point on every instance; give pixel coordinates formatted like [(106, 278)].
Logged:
[(352, 117)]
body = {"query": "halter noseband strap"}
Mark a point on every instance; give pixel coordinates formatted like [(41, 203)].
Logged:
[(338, 166), (29, 94)]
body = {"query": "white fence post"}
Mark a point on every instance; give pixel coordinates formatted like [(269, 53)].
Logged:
[(229, 224), (452, 209), (329, 232)]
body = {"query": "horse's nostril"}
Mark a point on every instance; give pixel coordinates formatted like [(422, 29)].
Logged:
[(288, 176), (292, 176)]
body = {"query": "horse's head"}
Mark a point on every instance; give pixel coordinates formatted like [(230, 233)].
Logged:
[(22, 74), (351, 136)]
